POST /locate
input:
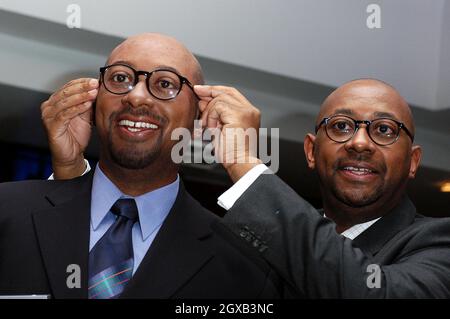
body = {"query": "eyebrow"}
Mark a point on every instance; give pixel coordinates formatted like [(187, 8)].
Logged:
[(385, 114), (159, 67), (375, 114), (121, 62), (343, 111), (166, 67)]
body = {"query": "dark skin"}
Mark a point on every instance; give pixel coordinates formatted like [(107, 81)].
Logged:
[(136, 162), (350, 198)]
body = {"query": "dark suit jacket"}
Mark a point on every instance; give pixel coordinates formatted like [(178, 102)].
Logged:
[(412, 252), (44, 227)]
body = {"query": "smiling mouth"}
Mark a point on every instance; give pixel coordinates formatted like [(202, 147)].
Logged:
[(358, 170), (140, 126)]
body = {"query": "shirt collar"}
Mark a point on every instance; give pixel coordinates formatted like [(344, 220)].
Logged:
[(356, 230), (153, 207)]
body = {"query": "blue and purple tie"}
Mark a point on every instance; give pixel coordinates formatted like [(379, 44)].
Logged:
[(111, 259)]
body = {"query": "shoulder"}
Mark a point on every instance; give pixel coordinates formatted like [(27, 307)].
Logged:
[(18, 198), (427, 232), (423, 223), (26, 188), (23, 192), (38, 188)]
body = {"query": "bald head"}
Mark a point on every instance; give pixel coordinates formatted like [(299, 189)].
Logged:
[(176, 53), (370, 96)]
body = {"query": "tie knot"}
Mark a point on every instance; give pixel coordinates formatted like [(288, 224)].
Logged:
[(125, 207)]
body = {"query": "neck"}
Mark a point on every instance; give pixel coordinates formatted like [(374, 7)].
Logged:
[(346, 216), (135, 182)]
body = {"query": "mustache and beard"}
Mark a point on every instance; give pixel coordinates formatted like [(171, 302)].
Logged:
[(358, 194), (132, 156)]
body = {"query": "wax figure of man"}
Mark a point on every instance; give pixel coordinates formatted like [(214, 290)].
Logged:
[(128, 228)]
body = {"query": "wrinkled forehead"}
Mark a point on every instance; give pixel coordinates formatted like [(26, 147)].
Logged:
[(151, 53)]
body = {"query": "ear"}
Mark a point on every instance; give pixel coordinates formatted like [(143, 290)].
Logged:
[(416, 155), (308, 146)]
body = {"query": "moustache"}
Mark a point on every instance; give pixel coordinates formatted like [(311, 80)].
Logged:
[(138, 112), (361, 159)]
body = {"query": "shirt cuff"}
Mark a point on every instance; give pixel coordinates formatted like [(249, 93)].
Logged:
[(87, 170), (227, 199)]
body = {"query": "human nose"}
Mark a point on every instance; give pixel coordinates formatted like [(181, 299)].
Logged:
[(360, 142), (139, 95)]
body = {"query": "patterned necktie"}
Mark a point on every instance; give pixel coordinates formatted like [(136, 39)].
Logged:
[(111, 259)]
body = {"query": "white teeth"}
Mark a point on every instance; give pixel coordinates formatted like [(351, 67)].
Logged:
[(137, 125), (357, 169), (126, 123)]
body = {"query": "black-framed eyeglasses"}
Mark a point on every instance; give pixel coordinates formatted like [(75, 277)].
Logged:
[(383, 131), (163, 84)]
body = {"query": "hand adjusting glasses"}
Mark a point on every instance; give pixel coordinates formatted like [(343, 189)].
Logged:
[(382, 131), (163, 84)]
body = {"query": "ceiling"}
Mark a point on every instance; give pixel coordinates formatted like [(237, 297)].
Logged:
[(319, 41)]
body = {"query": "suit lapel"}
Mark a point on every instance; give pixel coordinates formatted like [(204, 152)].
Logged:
[(375, 237), (63, 235), (178, 252)]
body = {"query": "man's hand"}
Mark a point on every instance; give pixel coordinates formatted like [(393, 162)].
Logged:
[(225, 108), (67, 117)]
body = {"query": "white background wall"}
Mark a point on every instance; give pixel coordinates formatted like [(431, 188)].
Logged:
[(323, 41)]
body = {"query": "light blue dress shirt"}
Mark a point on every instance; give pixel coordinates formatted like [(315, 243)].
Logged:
[(153, 208)]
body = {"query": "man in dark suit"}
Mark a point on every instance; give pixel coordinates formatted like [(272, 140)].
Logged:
[(372, 243), (127, 229)]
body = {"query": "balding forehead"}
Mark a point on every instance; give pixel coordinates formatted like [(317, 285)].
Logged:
[(158, 48), (155, 38), (146, 43), (372, 96)]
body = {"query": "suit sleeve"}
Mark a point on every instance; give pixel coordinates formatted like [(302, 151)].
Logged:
[(304, 248)]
